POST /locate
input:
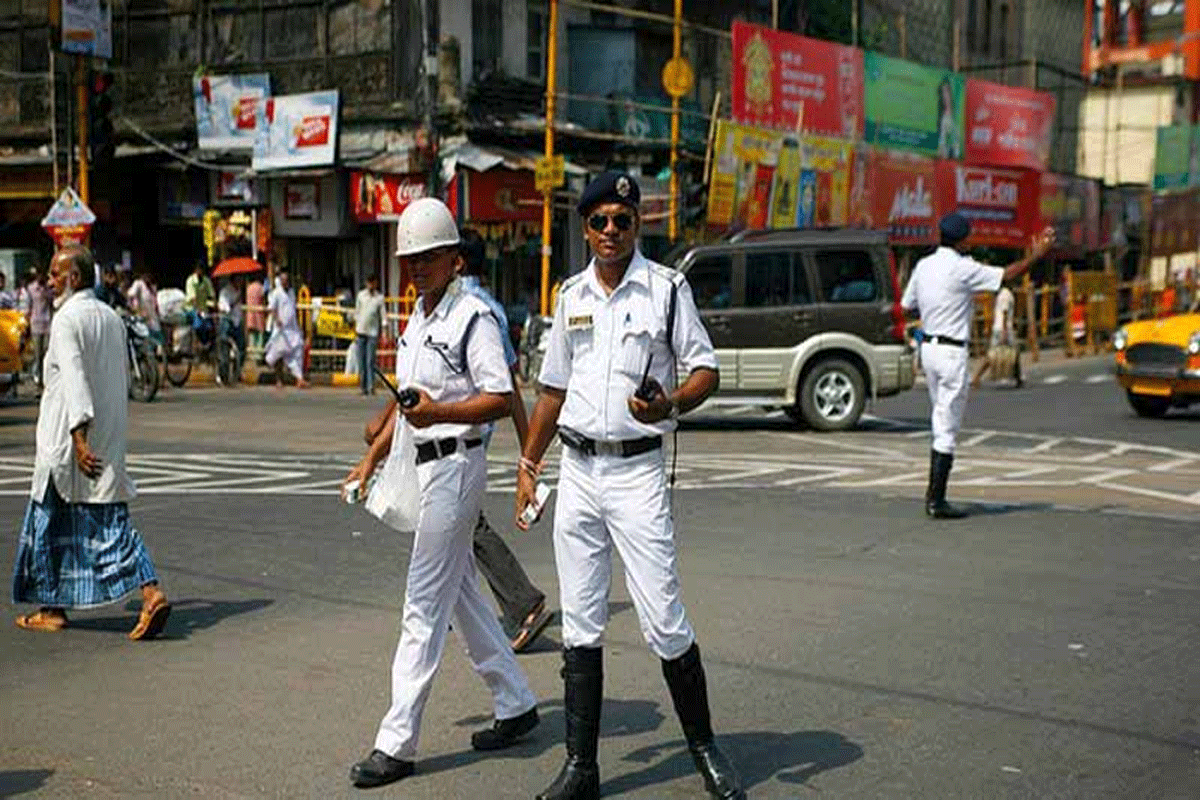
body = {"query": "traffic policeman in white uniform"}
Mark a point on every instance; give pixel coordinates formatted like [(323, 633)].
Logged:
[(451, 354), (623, 317), (942, 291)]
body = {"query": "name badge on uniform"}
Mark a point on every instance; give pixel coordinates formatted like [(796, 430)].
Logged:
[(582, 322)]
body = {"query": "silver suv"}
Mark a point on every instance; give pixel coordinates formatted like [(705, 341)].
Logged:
[(806, 320)]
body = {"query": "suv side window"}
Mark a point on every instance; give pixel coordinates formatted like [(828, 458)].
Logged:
[(847, 276), (776, 279), (711, 279)]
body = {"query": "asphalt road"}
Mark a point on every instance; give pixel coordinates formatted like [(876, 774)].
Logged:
[(854, 649)]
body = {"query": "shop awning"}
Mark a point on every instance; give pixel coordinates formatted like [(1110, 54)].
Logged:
[(481, 158)]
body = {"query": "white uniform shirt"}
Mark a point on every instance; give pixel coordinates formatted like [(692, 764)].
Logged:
[(1002, 321), (229, 303), (429, 356), (368, 312), (942, 288), (86, 380), (600, 343)]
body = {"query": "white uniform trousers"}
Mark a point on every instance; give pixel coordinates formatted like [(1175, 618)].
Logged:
[(443, 587), (946, 375), (607, 500)]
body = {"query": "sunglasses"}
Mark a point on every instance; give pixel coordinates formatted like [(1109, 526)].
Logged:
[(599, 222)]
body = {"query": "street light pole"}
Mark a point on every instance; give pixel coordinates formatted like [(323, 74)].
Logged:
[(548, 192), (82, 116), (673, 219)]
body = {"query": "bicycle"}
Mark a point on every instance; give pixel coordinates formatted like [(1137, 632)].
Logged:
[(189, 343)]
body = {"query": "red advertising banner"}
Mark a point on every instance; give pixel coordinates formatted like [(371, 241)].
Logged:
[(901, 196), (502, 195), (1008, 126), (1071, 205), (381, 198), (1001, 204), (781, 79)]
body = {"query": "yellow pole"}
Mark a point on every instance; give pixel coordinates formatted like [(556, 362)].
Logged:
[(673, 219), (548, 194), (81, 115)]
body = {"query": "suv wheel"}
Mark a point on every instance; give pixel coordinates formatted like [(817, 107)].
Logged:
[(832, 395)]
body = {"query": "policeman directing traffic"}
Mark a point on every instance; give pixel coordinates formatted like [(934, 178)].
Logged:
[(451, 354), (620, 328), (942, 291)]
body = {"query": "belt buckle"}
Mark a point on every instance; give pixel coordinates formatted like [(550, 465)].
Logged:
[(609, 449)]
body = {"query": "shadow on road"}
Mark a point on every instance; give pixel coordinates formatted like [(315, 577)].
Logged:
[(759, 757), (186, 616), (20, 781), (620, 718), (1000, 509)]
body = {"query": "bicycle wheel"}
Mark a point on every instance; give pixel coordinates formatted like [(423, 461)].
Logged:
[(143, 377), (228, 358), (178, 367)]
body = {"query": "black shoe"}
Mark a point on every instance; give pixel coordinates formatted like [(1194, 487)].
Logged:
[(505, 732), (379, 769), (576, 781), (935, 496), (720, 778), (583, 697), (689, 693)]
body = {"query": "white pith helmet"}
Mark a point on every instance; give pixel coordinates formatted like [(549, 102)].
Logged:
[(425, 224)]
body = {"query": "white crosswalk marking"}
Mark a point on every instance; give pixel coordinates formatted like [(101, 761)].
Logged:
[(1099, 379), (1053, 379)]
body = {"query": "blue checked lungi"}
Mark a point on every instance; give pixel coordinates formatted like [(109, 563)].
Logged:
[(78, 555)]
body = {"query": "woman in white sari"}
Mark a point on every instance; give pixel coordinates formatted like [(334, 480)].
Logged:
[(287, 342)]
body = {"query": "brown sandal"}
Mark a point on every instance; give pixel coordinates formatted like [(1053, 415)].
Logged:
[(42, 620), (152, 619)]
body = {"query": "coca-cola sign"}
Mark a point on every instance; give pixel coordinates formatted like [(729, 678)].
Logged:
[(1001, 204), (381, 197), (901, 190)]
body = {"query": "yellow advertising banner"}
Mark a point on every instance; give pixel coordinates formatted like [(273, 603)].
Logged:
[(772, 179)]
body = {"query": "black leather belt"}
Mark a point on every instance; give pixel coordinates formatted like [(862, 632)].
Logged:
[(625, 448), (938, 339), (440, 448)]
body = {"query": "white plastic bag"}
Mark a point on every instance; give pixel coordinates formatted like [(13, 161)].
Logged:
[(395, 497)]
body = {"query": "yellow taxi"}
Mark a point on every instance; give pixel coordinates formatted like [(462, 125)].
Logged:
[(14, 336), (1158, 363)]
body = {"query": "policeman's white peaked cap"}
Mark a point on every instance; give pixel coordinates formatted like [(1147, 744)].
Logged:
[(425, 224)]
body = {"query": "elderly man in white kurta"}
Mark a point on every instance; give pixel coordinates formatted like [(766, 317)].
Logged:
[(77, 547), (287, 342)]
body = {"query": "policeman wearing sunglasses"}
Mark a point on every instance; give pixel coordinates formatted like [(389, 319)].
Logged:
[(620, 328)]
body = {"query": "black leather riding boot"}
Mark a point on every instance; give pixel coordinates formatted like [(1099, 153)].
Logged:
[(689, 693), (935, 498), (583, 695)]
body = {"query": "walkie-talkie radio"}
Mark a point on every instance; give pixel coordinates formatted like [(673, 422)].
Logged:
[(406, 398), (649, 388)]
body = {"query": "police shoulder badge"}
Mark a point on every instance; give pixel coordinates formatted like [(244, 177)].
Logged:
[(623, 186)]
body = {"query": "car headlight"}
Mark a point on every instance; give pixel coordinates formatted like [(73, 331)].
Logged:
[(1120, 339), (1194, 344)]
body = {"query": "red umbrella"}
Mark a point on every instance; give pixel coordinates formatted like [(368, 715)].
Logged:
[(237, 266)]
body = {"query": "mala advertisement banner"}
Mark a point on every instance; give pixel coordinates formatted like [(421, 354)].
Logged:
[(900, 196), (790, 82), (1008, 126), (913, 107)]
